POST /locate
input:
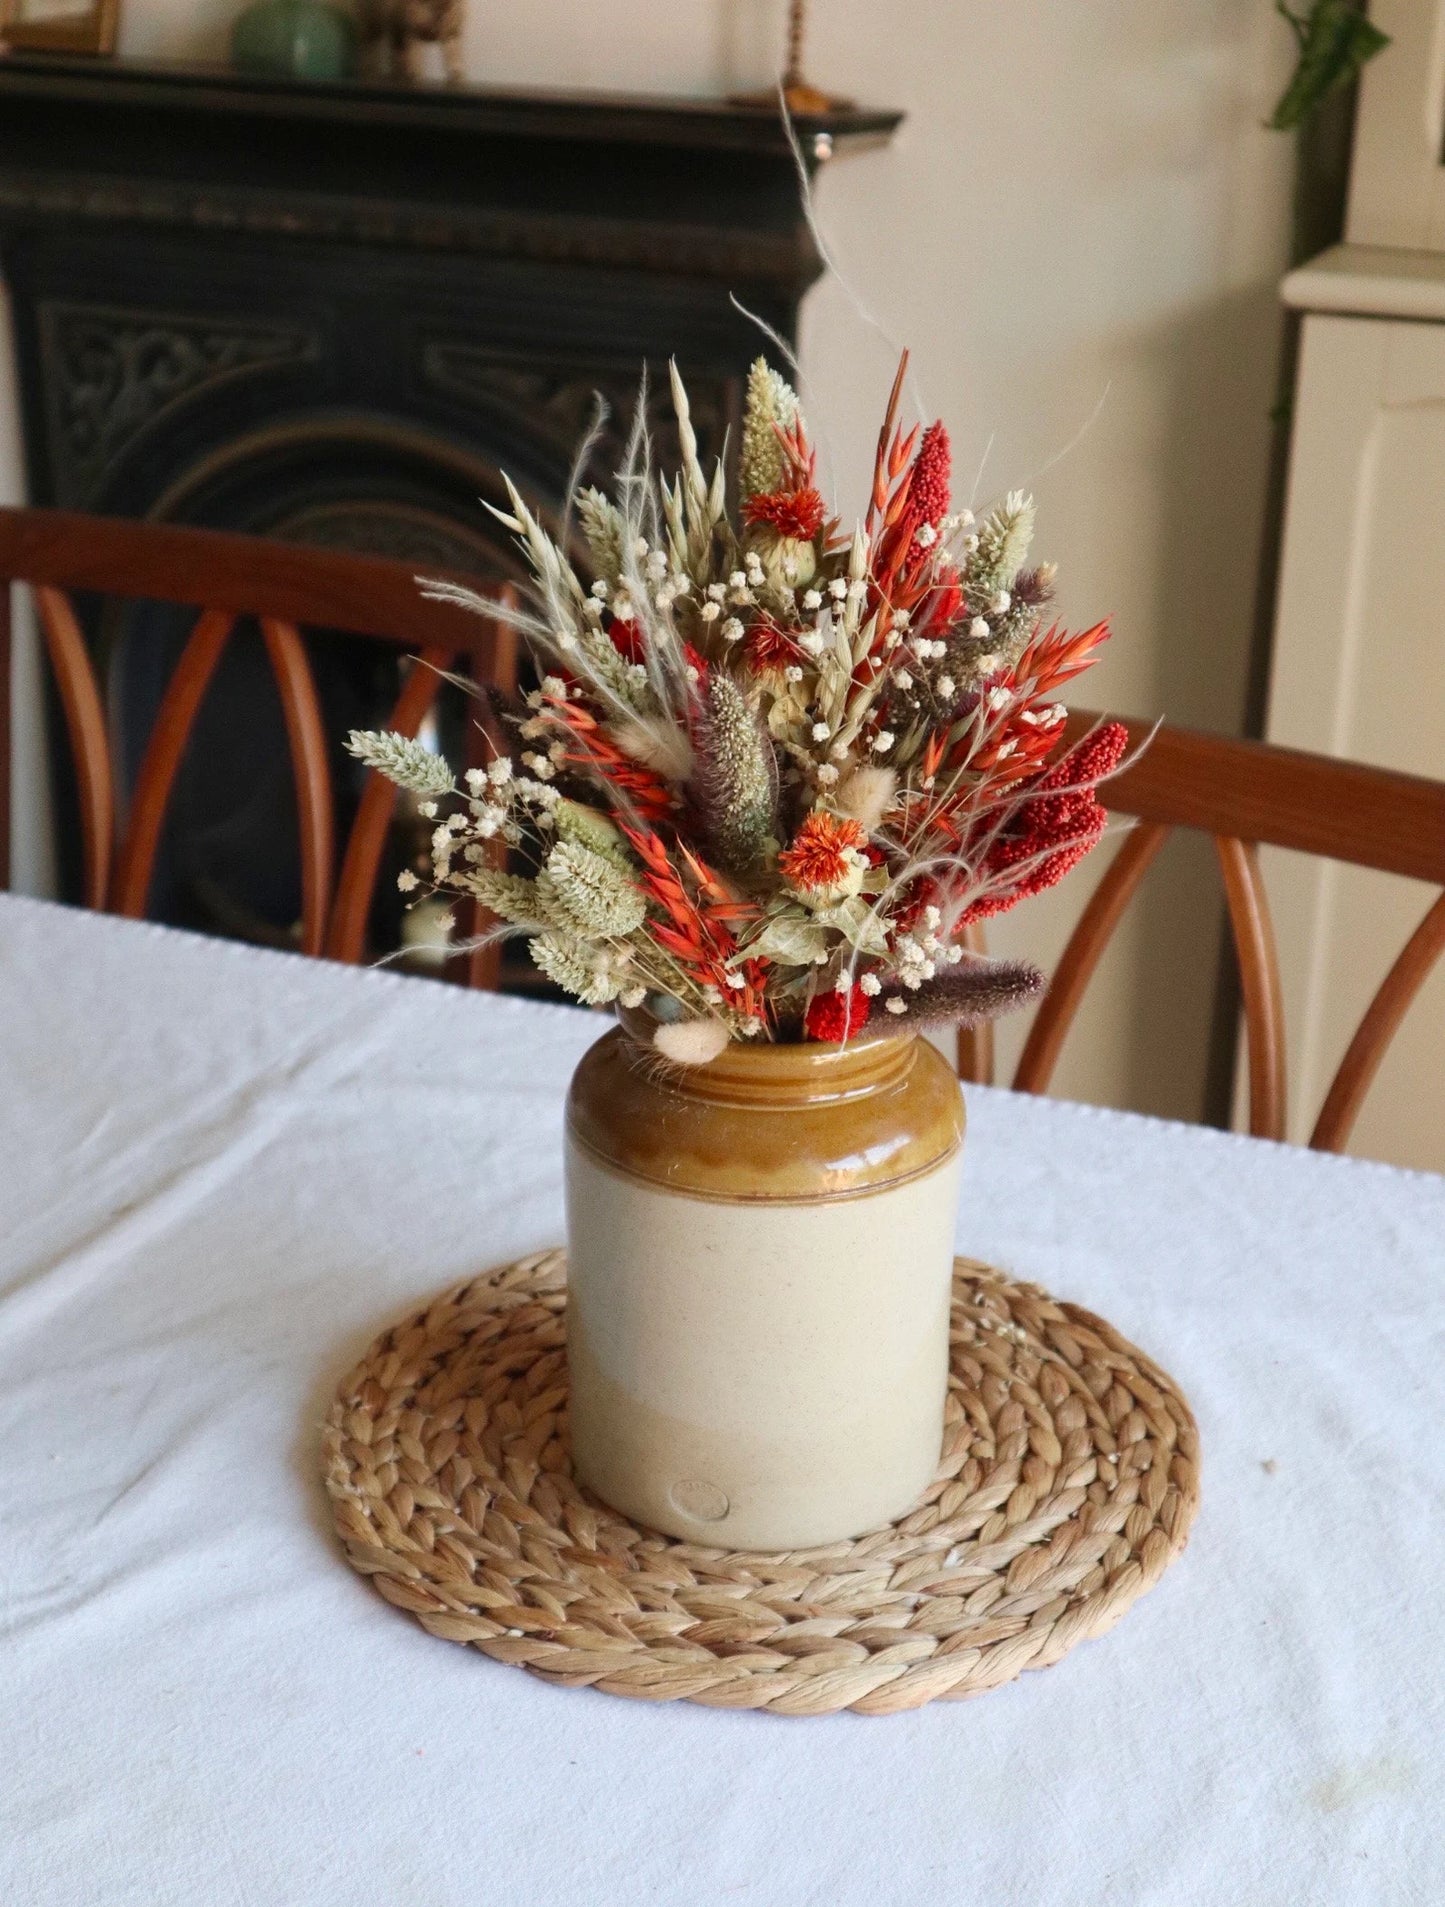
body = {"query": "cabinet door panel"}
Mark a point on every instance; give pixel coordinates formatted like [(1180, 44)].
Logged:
[(1359, 670)]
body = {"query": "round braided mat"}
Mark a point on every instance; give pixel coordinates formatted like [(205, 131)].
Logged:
[(1068, 1482)]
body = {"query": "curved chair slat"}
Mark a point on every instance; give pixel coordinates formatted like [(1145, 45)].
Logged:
[(306, 734), (1086, 948), (1253, 929), (167, 745), (1365, 1052), (89, 742)]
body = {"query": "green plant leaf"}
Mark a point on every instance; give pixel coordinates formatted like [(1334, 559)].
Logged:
[(858, 924), (1336, 41), (793, 940)]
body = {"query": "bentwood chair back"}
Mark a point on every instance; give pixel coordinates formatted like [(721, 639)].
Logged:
[(1244, 794), (287, 588)]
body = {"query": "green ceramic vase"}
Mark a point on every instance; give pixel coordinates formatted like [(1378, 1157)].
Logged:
[(294, 39)]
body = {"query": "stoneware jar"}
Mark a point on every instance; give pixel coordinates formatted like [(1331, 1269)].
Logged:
[(760, 1267)]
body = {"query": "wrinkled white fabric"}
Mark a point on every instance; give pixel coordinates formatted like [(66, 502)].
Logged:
[(224, 1170)]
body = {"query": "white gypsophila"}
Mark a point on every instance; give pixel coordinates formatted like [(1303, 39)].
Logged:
[(408, 763), (591, 893)]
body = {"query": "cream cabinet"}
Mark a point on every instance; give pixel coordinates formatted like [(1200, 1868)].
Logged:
[(1359, 670), (1359, 641)]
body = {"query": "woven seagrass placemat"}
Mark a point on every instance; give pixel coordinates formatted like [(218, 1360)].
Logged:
[(1068, 1482)]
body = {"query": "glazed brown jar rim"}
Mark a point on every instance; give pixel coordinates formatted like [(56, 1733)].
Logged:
[(774, 1076), (769, 1122)]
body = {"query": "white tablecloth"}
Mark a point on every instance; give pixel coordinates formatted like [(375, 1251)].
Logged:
[(224, 1170)]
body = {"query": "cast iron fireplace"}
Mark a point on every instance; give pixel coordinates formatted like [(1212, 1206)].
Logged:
[(334, 315)]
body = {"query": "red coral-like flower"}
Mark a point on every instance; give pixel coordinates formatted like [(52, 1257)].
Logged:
[(836, 1016), (769, 649), (818, 856), (930, 493), (1059, 820), (795, 513), (627, 638)]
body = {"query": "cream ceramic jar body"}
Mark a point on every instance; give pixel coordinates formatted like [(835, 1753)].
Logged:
[(761, 1258)]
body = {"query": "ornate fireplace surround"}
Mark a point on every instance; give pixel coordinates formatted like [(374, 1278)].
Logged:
[(335, 313), (235, 298)]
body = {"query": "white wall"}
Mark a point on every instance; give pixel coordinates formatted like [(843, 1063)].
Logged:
[(1082, 206)]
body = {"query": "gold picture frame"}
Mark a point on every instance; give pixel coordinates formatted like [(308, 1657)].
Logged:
[(59, 26)]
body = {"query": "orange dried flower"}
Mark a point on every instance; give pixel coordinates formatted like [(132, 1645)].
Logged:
[(819, 857), (795, 513)]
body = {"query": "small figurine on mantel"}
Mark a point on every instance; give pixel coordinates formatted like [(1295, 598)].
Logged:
[(412, 36)]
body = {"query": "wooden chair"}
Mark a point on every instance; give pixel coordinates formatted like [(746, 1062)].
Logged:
[(1244, 793), (225, 578)]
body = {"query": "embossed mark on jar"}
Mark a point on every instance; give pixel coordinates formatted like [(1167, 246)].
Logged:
[(704, 1502)]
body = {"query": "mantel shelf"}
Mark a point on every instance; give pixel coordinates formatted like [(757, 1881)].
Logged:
[(696, 123), (1370, 281), (708, 187)]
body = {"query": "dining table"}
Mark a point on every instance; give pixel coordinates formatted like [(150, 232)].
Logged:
[(224, 1170)]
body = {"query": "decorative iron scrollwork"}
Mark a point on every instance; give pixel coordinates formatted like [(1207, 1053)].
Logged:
[(112, 373)]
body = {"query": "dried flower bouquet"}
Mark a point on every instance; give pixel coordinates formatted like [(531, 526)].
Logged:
[(774, 770)]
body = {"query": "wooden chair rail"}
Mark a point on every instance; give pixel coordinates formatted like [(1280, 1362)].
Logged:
[(1243, 794), (1282, 797), (227, 577), (162, 562)]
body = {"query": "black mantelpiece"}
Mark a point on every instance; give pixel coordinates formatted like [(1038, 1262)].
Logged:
[(335, 314), (503, 172), (422, 257)]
